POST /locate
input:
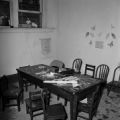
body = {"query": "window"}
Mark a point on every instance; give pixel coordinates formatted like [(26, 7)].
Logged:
[(21, 13), (30, 13), (4, 13)]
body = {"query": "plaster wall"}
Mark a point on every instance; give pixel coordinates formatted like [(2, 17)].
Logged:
[(98, 17), (19, 47), (24, 47)]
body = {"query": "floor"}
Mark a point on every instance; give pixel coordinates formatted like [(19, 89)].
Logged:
[(109, 109)]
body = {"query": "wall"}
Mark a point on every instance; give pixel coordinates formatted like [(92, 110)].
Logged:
[(72, 19), (51, 13), (99, 18), (20, 47)]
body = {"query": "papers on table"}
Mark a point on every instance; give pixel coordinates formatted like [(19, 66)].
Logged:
[(66, 80), (60, 81), (40, 73)]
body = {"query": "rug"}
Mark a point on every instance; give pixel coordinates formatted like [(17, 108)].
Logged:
[(109, 108)]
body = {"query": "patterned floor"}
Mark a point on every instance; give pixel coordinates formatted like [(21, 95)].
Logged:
[(109, 109)]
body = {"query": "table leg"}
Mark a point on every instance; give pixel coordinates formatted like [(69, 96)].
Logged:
[(73, 108), (21, 86)]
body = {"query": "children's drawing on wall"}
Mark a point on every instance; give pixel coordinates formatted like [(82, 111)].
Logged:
[(111, 37), (110, 44), (45, 46), (91, 32), (90, 42), (90, 35), (99, 38)]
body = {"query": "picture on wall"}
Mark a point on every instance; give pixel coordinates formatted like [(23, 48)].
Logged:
[(99, 44), (4, 13), (46, 46)]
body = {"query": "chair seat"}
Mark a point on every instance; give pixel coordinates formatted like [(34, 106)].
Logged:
[(12, 93), (56, 111), (84, 107), (115, 83)]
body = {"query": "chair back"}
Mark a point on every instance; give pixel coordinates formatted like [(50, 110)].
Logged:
[(114, 85), (90, 70), (76, 65), (34, 95), (102, 72), (3, 84), (116, 74), (35, 98), (57, 63)]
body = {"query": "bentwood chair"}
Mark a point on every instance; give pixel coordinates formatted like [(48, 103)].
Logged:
[(54, 111), (59, 65), (102, 72), (76, 65), (10, 91), (89, 70), (114, 85), (34, 103), (92, 104)]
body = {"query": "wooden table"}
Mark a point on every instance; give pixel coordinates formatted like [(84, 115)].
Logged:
[(36, 75)]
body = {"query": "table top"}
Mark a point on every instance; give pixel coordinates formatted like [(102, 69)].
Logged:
[(72, 83)]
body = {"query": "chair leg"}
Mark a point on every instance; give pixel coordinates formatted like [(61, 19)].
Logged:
[(108, 92), (31, 115), (35, 86), (90, 117), (27, 109), (65, 103), (3, 104), (21, 96), (26, 87), (58, 97), (3, 108), (109, 89), (18, 104)]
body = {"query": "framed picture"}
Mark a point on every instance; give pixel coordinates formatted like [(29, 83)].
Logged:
[(99, 44), (4, 13)]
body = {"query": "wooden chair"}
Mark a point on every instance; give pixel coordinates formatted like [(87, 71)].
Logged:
[(57, 64), (114, 85), (9, 91), (92, 104), (102, 72), (34, 103), (54, 111), (76, 65), (89, 70)]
